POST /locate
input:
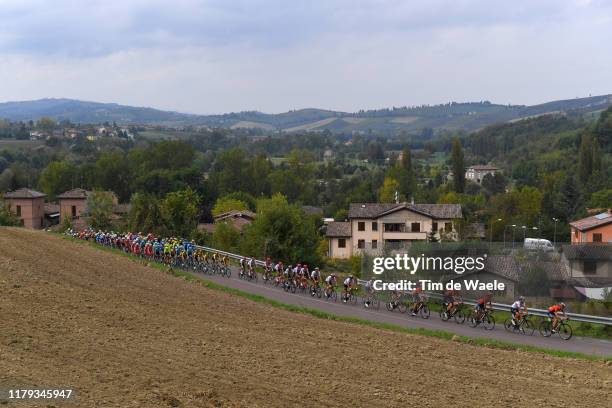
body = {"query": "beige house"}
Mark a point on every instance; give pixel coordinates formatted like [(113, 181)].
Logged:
[(28, 205), (372, 226)]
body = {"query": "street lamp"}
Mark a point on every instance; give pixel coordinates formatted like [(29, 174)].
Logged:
[(492, 224), (555, 233)]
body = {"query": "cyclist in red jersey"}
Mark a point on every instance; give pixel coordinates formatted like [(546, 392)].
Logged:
[(553, 313)]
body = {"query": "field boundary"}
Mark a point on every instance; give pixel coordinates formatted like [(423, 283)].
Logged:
[(440, 334)]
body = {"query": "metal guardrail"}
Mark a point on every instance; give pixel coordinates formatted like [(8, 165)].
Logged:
[(496, 306)]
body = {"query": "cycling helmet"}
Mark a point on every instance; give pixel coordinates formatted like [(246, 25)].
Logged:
[(521, 298), (351, 276), (562, 305)]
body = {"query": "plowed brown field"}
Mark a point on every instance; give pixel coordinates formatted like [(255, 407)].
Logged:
[(126, 335)]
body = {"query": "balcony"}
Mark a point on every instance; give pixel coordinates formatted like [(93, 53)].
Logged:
[(411, 236)]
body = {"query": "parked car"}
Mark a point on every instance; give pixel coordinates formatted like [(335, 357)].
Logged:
[(535, 244)]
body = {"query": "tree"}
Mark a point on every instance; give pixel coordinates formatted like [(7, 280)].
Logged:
[(225, 204), (281, 231), (494, 183), (179, 212), (585, 167), (7, 218), (56, 178), (46, 124), (145, 214), (112, 172), (601, 199), (226, 237), (570, 198), (458, 166), (403, 172), (388, 190), (100, 209)]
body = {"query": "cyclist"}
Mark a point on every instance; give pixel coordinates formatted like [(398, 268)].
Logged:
[(418, 299), (451, 300), (349, 284), (251, 265), (315, 276), (553, 313), (330, 282), (518, 309), (243, 262), (482, 304)]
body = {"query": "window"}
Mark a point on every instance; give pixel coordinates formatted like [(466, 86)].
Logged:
[(590, 267), (19, 211), (361, 226), (374, 243), (448, 226), (361, 244), (597, 237), (341, 242), (415, 227), (374, 226), (394, 227), (73, 209), (434, 227)]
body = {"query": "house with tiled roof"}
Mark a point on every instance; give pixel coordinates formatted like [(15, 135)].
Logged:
[(28, 206), (596, 228), (478, 172), (373, 226), (73, 206)]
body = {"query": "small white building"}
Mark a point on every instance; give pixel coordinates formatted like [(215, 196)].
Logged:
[(477, 172)]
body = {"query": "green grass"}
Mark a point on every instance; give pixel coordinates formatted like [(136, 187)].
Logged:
[(440, 334)]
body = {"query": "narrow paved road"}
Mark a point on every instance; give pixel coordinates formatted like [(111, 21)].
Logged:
[(576, 344)]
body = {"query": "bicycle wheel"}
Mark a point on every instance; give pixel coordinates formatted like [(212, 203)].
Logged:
[(402, 307), (489, 322), (472, 320), (353, 299), (375, 303), (334, 296), (389, 306), (425, 312), (319, 292), (444, 314), (508, 324), (292, 288), (459, 317), (545, 328), (528, 327), (565, 331)]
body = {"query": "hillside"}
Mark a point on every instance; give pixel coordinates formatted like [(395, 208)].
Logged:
[(126, 335), (468, 116)]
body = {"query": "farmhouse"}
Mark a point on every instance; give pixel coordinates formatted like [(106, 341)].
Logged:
[(374, 226)]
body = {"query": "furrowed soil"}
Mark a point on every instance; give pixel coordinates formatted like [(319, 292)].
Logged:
[(126, 335)]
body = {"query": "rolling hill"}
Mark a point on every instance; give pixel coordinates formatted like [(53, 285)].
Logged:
[(467, 116)]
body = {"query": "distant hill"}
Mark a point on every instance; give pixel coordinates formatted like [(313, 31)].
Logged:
[(468, 116)]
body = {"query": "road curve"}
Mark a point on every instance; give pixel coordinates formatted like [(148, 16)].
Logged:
[(585, 345)]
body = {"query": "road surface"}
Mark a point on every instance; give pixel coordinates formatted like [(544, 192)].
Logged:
[(585, 345)]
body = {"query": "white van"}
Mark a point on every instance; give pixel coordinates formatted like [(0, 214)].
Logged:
[(535, 244)]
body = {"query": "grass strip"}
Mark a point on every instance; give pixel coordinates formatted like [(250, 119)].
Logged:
[(440, 334)]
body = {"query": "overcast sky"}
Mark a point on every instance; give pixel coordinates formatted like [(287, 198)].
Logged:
[(225, 55)]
